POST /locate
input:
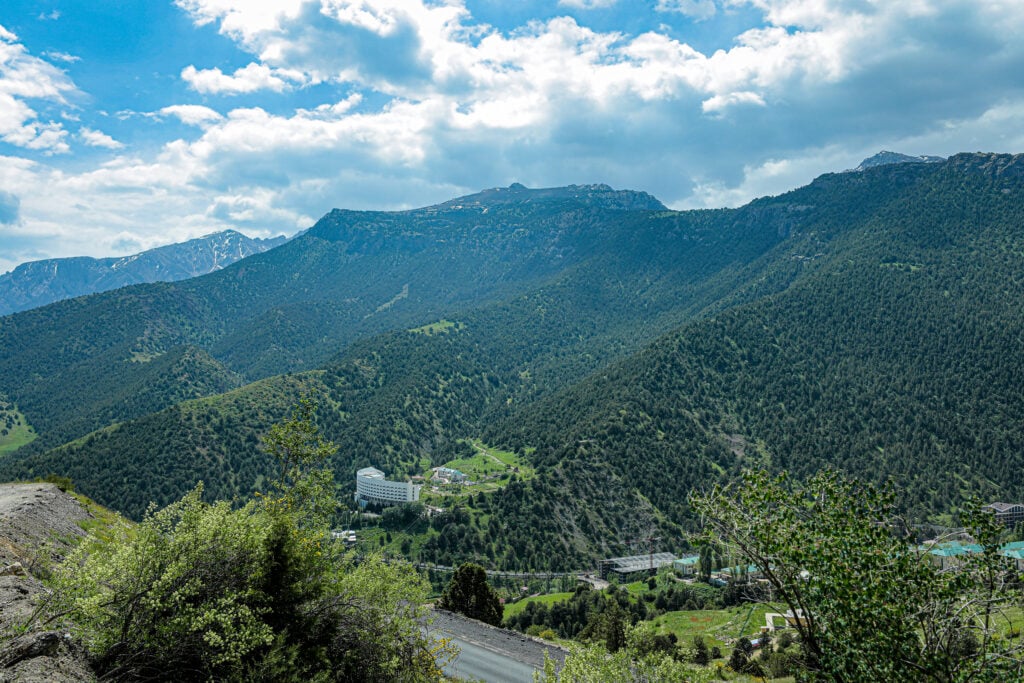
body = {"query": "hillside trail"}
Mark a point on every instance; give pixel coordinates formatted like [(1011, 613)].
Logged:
[(484, 451)]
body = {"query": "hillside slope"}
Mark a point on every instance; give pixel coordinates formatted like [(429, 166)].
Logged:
[(35, 519), (895, 356), (353, 275), (401, 397)]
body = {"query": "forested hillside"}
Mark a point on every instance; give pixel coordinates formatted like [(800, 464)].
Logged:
[(869, 321), (352, 275), (622, 279), (897, 355)]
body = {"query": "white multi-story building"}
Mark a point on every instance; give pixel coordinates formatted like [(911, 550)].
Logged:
[(372, 487)]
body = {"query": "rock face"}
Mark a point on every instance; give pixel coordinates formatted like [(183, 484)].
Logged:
[(34, 519), (885, 157)]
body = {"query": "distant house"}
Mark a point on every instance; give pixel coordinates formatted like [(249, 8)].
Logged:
[(635, 564), (687, 566), (373, 487), (346, 536), (946, 555), (450, 475), (792, 619), (751, 571), (1010, 514)]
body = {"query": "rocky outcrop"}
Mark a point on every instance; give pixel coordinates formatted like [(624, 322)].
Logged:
[(884, 158), (37, 521)]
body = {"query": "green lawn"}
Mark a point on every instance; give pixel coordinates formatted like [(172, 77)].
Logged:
[(517, 607), (19, 431), (637, 588), (490, 468), (717, 626), (477, 467)]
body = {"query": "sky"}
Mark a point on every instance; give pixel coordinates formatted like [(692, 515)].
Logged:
[(128, 124)]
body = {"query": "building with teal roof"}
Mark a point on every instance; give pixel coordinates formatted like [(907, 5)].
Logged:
[(687, 566), (951, 553)]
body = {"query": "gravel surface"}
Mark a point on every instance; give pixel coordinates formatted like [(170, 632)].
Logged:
[(34, 514), (34, 518)]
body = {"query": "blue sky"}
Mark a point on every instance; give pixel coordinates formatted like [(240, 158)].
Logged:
[(126, 125)]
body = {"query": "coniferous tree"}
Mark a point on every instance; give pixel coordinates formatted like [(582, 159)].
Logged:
[(469, 593)]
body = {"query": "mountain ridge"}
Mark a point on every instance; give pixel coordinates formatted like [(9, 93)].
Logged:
[(37, 283), (886, 157)]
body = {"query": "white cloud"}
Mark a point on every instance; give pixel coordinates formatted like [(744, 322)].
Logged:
[(95, 138), (718, 103), (250, 78), (24, 77), (192, 114), (62, 57)]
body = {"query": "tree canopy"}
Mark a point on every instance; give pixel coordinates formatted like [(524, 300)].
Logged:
[(869, 605), (469, 593)]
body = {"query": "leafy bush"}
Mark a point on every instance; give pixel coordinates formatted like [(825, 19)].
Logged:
[(202, 591)]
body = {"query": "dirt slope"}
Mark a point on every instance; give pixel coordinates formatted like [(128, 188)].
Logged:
[(35, 520)]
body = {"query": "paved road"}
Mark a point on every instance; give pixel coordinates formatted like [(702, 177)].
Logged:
[(490, 654), (478, 663)]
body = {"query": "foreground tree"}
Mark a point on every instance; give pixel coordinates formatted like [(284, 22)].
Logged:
[(469, 593), (202, 591), (873, 607)]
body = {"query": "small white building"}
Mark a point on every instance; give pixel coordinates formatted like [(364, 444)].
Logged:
[(373, 487), (450, 475), (346, 536)]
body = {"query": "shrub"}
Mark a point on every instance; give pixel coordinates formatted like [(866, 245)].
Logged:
[(202, 591)]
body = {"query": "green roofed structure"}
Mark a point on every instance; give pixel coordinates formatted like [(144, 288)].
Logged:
[(687, 566)]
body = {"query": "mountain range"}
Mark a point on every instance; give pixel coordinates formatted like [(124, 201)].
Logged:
[(869, 321), (38, 283)]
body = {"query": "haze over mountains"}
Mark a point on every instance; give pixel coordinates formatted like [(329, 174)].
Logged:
[(38, 283), (868, 321)]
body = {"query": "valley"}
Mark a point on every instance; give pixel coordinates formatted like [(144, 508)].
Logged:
[(620, 354), (561, 373)]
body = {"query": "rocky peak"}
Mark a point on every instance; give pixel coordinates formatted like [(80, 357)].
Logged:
[(598, 195), (885, 158)]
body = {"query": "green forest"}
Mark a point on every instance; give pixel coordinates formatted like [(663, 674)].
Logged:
[(868, 322)]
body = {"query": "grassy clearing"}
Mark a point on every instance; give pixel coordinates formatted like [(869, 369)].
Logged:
[(1010, 620), (719, 627), (549, 599), (440, 327), (637, 588), (489, 469), (15, 431), (488, 462)]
